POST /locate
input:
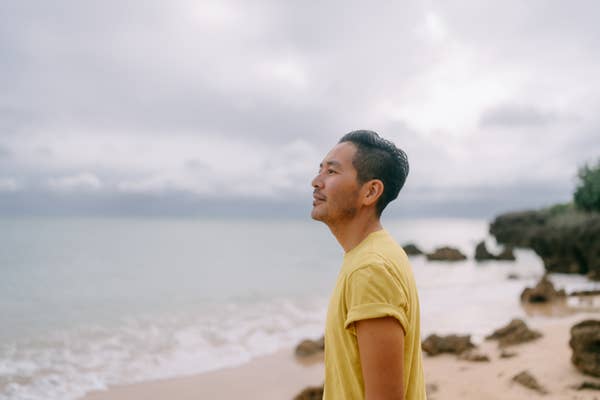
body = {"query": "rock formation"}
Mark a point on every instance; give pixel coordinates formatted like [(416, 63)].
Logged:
[(567, 242), (309, 347), (543, 292), (412, 249), (455, 344), (446, 254), (482, 253), (310, 393), (526, 379), (514, 333), (585, 342)]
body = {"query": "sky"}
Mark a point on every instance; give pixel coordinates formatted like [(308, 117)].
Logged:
[(227, 107)]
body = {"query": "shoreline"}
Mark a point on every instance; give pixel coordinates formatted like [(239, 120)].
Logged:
[(272, 377), (282, 376)]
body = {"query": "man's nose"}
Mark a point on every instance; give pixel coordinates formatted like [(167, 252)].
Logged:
[(317, 182)]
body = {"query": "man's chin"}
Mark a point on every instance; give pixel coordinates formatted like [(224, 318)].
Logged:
[(314, 214)]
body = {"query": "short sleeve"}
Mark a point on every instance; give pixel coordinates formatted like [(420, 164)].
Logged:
[(373, 292)]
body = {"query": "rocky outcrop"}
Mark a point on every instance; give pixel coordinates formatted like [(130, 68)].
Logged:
[(526, 379), (454, 344), (412, 249), (446, 254), (482, 253), (474, 356), (517, 228), (567, 242), (310, 393), (515, 332), (570, 247), (309, 347), (585, 343), (543, 292)]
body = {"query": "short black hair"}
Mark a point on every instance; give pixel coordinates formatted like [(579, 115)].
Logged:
[(378, 158)]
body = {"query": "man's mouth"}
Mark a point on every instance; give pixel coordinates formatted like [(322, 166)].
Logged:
[(317, 198)]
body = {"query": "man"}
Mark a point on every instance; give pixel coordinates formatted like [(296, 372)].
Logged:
[(372, 339)]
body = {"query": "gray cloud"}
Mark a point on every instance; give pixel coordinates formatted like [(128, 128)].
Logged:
[(513, 115)]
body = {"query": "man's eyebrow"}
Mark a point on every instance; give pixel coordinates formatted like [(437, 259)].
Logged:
[(331, 163)]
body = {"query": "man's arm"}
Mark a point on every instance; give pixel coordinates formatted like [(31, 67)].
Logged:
[(381, 348)]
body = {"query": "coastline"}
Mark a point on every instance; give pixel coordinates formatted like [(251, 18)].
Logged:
[(273, 377), (282, 376)]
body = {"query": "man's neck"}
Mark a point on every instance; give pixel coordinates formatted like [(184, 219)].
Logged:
[(350, 233)]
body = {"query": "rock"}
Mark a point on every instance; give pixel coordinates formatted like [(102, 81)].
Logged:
[(567, 242), (526, 379), (309, 347), (543, 292), (515, 332), (585, 342), (572, 246), (516, 228), (482, 253), (412, 250), (310, 393), (588, 385), (446, 254), (455, 344), (507, 254), (593, 292), (475, 356), (507, 354)]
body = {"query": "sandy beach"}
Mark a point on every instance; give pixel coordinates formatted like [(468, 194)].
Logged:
[(282, 376)]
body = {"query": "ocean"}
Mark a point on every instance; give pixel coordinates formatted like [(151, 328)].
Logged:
[(91, 302)]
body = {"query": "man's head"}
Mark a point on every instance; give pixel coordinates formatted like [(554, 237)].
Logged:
[(363, 171), (377, 158)]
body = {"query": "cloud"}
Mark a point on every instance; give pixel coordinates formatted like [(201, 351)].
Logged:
[(84, 181), (9, 185), (513, 115)]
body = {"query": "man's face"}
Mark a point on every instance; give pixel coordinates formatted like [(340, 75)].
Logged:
[(336, 189)]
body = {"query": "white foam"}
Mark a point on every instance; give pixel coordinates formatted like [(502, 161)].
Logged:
[(66, 365)]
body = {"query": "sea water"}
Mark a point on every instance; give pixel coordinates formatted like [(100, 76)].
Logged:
[(91, 302)]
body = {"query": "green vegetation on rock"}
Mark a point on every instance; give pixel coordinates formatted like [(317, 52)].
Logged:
[(587, 194)]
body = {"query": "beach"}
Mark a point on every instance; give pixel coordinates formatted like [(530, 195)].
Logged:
[(282, 376)]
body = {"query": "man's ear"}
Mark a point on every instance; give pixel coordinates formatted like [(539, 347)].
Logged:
[(372, 191)]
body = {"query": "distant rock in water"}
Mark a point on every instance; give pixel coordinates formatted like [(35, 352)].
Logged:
[(455, 344), (446, 254), (309, 347), (515, 332), (585, 342), (482, 253), (567, 241), (310, 393), (543, 292), (412, 249), (507, 254), (526, 379)]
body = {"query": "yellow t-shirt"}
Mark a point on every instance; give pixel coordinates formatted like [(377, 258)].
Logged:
[(375, 281)]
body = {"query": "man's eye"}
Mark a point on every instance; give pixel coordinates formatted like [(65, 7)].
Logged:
[(331, 171)]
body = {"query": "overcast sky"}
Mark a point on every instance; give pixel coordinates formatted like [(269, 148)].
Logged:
[(187, 107)]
